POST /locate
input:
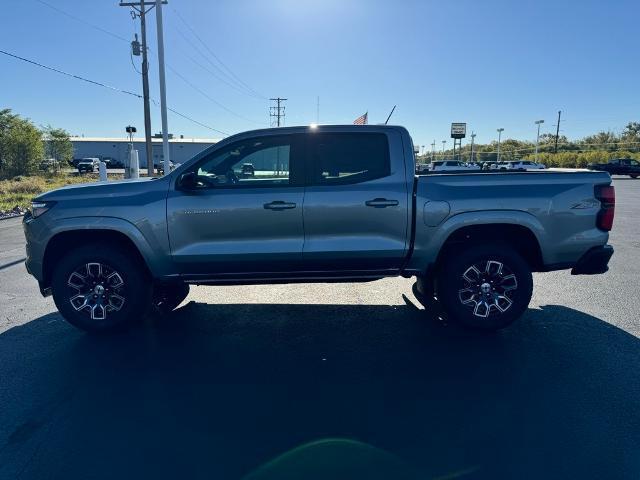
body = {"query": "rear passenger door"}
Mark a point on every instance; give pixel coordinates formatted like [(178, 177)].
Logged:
[(356, 204)]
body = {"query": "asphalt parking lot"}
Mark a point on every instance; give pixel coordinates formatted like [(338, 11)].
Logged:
[(239, 376)]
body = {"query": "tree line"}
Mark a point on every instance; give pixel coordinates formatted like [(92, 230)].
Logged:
[(26, 149), (599, 147)]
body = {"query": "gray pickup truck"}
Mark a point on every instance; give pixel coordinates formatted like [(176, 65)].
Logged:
[(323, 204)]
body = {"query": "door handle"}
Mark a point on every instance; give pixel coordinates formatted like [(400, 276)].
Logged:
[(381, 203), (279, 205)]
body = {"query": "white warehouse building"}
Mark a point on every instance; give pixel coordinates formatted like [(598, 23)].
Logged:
[(180, 149)]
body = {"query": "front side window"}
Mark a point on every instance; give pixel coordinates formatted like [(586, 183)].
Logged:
[(346, 158), (257, 162)]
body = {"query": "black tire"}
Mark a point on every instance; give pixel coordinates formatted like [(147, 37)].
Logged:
[(124, 297), (500, 290), (635, 175), (423, 290), (167, 297)]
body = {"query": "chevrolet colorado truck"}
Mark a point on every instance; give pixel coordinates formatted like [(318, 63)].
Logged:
[(618, 166), (324, 204)]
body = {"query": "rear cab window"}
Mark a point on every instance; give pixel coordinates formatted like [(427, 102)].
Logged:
[(347, 158)]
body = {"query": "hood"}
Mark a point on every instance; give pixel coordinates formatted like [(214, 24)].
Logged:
[(104, 189)]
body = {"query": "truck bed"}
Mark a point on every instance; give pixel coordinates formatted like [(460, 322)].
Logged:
[(558, 206)]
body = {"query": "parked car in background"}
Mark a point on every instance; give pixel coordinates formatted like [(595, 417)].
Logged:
[(422, 168), (451, 165), (49, 164), (160, 167), (88, 165), (525, 165), (348, 208), (112, 162), (618, 166), (247, 170)]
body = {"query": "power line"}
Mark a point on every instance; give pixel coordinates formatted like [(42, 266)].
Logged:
[(230, 72), (109, 87), (77, 19), (77, 77), (213, 74), (107, 32), (204, 94)]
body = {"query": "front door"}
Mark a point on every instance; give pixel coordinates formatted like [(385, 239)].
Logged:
[(243, 212)]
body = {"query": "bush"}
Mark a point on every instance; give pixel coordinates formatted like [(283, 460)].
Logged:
[(580, 159), (21, 148)]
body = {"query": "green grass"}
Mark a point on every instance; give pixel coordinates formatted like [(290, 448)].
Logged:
[(19, 191)]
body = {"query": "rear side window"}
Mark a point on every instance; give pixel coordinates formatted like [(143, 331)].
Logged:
[(345, 158)]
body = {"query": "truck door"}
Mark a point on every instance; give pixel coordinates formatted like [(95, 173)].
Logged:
[(356, 209), (243, 211)]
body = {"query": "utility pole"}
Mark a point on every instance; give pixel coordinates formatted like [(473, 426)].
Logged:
[(557, 132), (277, 112), (473, 135), (444, 142), (538, 122), (141, 8), (433, 151), (163, 89), (500, 130)]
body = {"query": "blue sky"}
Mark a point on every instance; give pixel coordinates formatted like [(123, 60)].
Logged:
[(488, 63)]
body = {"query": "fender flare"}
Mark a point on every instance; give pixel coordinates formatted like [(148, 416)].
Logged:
[(124, 227), (430, 240)]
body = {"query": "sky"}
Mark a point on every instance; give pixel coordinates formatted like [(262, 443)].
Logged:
[(488, 63)]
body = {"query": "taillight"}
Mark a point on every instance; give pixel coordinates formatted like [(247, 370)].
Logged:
[(607, 196)]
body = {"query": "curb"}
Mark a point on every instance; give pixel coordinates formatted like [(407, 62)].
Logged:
[(12, 215)]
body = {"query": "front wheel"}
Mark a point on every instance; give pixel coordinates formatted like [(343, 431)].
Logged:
[(485, 287), (99, 288)]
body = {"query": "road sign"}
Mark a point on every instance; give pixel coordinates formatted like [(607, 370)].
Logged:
[(458, 130)]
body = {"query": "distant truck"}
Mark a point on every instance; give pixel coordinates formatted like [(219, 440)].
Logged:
[(88, 165), (347, 207), (618, 166)]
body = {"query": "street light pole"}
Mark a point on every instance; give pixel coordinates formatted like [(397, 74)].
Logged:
[(444, 142), (500, 130), (433, 151), (538, 122), (473, 135), (163, 89)]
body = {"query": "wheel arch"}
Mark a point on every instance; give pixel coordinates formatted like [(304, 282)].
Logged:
[(520, 237), (64, 240)]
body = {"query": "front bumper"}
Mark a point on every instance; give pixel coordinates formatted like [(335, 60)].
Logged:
[(595, 261)]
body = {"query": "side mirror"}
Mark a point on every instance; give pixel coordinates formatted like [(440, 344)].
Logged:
[(188, 181)]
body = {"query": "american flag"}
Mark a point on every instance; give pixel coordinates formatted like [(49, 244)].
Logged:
[(362, 119)]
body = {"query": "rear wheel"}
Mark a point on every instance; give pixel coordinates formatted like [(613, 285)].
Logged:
[(485, 287), (635, 175), (99, 288)]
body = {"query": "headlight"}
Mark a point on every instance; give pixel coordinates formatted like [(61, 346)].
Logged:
[(38, 208)]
